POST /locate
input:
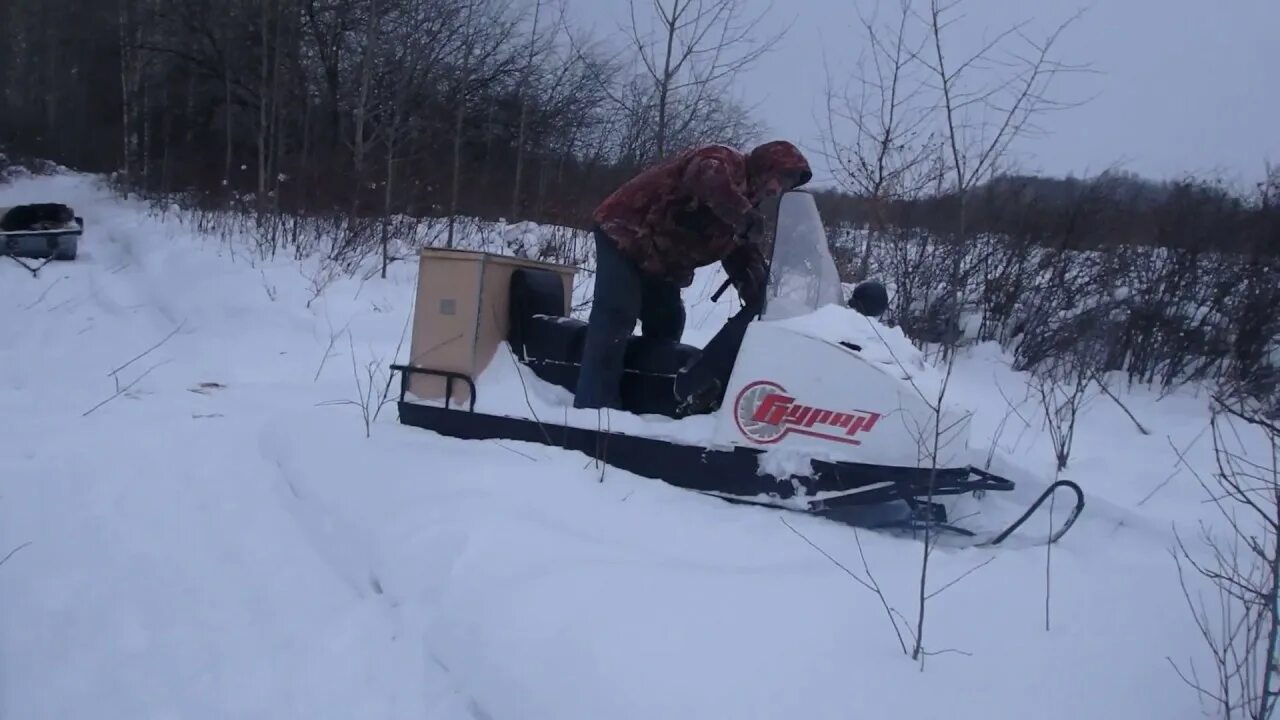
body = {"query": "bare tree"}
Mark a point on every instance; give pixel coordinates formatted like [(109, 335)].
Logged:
[(486, 28), (690, 52), (1241, 625), (526, 77), (912, 123), (1065, 389), (470, 32), (877, 130), (982, 119), (909, 123), (416, 48)]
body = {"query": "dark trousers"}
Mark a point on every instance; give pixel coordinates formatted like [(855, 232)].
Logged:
[(623, 295)]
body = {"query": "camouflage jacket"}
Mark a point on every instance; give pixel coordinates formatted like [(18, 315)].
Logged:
[(692, 210)]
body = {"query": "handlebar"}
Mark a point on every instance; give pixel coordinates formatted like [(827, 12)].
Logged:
[(715, 297)]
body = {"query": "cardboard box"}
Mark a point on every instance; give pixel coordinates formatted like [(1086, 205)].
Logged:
[(460, 315)]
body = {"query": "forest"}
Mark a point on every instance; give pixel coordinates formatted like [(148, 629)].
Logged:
[(485, 108)]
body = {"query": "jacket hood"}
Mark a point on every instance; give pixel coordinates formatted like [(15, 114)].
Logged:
[(779, 159)]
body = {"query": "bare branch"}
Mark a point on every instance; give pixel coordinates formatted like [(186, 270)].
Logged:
[(148, 351), (122, 390), (13, 552), (869, 583)]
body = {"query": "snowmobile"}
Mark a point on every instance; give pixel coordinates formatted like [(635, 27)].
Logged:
[(801, 401)]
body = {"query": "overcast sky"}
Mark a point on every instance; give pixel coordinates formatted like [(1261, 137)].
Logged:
[(1180, 85)]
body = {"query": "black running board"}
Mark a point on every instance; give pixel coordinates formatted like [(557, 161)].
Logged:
[(731, 473)]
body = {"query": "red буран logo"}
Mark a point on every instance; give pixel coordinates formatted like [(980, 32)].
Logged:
[(765, 413)]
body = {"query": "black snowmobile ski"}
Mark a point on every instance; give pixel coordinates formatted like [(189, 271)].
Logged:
[(922, 515)]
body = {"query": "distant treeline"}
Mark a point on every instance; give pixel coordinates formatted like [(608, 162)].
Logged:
[(1107, 210)]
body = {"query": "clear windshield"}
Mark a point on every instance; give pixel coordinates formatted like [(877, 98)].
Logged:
[(802, 276)]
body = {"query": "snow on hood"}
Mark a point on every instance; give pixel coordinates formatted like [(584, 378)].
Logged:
[(886, 348)]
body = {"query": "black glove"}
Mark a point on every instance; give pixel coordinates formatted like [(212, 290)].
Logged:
[(745, 267), (751, 226), (751, 286)]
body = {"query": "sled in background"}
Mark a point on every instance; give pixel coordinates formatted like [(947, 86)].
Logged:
[(799, 402), (39, 231)]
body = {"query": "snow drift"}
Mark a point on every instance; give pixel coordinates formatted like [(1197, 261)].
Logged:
[(206, 531)]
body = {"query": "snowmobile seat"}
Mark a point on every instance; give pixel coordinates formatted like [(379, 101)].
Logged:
[(554, 338), (539, 329), (658, 357), (536, 292), (551, 344), (536, 307)]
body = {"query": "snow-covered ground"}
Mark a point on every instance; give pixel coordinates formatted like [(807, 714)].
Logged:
[(220, 539)]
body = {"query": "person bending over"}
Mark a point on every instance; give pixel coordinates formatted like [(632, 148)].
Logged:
[(694, 209)]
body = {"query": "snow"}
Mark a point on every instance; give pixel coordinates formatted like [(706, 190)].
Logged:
[(886, 348), (512, 390), (245, 550)]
